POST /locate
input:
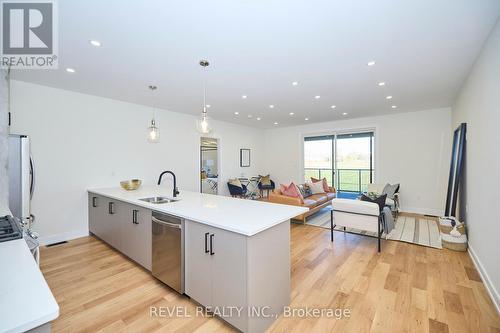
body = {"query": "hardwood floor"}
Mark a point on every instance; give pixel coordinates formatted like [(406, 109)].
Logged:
[(407, 288)]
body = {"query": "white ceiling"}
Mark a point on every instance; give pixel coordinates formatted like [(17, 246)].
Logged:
[(423, 51)]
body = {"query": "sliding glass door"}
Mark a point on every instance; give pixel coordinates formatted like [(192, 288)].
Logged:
[(345, 160)]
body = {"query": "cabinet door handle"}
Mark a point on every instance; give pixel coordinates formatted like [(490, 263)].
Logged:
[(111, 206), (134, 216), (211, 244), (94, 202), (206, 241)]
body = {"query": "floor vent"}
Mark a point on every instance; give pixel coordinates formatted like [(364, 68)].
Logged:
[(54, 244)]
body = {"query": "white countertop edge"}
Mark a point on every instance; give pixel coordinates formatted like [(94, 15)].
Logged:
[(297, 211), (35, 323)]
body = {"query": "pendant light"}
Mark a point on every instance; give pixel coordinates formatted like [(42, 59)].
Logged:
[(203, 123), (153, 131)]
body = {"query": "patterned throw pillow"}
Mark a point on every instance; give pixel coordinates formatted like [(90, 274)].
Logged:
[(317, 187), (326, 188), (304, 190), (235, 182), (265, 180)]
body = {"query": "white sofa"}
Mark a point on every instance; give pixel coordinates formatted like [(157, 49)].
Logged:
[(357, 214)]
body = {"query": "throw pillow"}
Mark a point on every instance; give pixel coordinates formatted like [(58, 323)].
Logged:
[(265, 180), (235, 182), (316, 187), (390, 190), (292, 191), (326, 188), (304, 190), (380, 201)]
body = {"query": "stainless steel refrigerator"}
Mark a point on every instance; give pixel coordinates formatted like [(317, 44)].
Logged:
[(21, 178)]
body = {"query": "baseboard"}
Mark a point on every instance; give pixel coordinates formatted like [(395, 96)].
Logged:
[(422, 211), (495, 297), (65, 236)]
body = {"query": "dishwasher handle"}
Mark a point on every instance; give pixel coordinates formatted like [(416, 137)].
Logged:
[(168, 224)]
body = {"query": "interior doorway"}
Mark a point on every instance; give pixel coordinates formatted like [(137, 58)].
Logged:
[(209, 165)]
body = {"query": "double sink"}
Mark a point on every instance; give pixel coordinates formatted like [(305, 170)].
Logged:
[(159, 200)]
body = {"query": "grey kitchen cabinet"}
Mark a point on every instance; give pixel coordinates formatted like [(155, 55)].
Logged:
[(135, 229), (124, 226)]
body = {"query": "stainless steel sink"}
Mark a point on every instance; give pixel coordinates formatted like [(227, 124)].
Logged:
[(159, 200)]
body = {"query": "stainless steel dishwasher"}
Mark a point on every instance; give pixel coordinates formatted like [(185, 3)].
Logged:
[(168, 250)]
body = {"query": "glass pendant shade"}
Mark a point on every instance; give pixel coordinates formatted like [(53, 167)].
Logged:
[(203, 124), (153, 133)]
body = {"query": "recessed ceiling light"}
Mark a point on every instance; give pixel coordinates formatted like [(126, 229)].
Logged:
[(317, 96), (306, 119), (388, 97), (344, 113), (371, 63), (208, 105), (236, 113), (271, 106), (394, 106), (275, 123), (249, 116), (259, 118), (333, 106), (70, 70), (291, 113), (381, 84), (294, 83), (244, 96), (94, 42)]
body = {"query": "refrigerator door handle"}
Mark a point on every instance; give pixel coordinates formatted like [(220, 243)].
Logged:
[(32, 177)]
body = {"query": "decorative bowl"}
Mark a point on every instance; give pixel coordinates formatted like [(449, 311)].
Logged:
[(130, 185)]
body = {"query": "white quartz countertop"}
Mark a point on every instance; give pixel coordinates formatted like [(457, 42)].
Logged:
[(26, 301), (246, 217)]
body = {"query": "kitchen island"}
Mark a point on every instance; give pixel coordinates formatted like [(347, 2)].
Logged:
[(236, 252)]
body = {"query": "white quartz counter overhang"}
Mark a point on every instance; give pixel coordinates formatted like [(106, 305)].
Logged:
[(246, 217), (26, 301)]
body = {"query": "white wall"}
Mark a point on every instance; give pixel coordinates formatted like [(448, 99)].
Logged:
[(4, 185), (478, 105), (81, 141), (413, 149)]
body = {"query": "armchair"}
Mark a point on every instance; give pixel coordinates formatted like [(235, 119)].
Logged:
[(357, 214), (266, 188), (237, 191)]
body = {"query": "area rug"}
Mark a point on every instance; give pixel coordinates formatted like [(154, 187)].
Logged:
[(410, 229)]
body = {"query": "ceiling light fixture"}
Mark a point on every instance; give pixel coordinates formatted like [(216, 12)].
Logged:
[(344, 113), (244, 96), (275, 123), (203, 123), (70, 70), (236, 113), (153, 131), (295, 83), (371, 63), (208, 105), (306, 119), (389, 97), (333, 106), (259, 118), (381, 84), (317, 96), (291, 113), (95, 43), (271, 106), (394, 106)]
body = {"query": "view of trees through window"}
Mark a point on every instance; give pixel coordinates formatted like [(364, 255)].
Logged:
[(346, 161)]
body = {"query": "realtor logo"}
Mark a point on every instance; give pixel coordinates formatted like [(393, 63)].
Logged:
[(29, 38)]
